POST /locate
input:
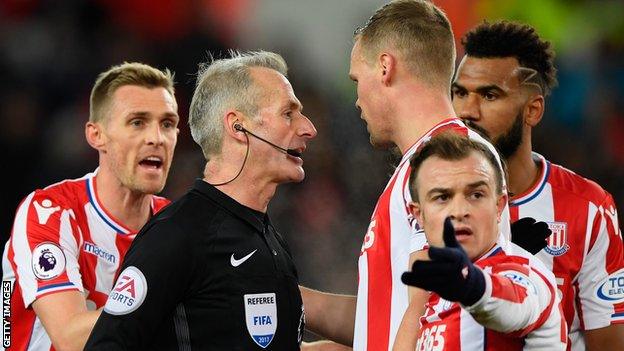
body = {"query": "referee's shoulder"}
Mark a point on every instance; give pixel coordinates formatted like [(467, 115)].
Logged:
[(184, 216)]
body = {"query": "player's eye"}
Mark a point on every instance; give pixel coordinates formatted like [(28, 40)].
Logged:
[(441, 198), (168, 124), (459, 93), (489, 96), (136, 122), (477, 195)]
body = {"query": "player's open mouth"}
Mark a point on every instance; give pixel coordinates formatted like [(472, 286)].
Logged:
[(462, 233), (152, 162)]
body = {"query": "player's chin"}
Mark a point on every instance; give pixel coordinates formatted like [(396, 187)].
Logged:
[(380, 143), (152, 186)]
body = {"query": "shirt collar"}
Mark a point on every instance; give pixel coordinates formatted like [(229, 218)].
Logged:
[(253, 217)]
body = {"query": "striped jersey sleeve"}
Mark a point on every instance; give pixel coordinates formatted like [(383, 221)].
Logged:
[(520, 310), (44, 246), (601, 277), (517, 299)]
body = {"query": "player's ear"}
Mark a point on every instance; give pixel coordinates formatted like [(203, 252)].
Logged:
[(414, 208), (387, 64), (95, 135), (534, 110), (500, 205)]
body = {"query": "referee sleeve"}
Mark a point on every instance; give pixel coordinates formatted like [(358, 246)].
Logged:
[(154, 278)]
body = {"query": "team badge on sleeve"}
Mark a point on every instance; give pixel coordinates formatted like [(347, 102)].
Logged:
[(261, 317), (612, 288), (129, 292), (558, 241), (521, 279), (48, 261)]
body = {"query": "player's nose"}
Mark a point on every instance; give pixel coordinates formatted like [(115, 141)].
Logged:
[(154, 135), (470, 109)]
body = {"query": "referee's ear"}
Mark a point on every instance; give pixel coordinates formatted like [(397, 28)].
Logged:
[(231, 119)]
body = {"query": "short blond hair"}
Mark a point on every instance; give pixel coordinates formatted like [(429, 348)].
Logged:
[(421, 33), (127, 73)]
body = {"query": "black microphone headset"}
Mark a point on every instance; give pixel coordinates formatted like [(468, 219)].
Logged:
[(240, 128), (291, 152)]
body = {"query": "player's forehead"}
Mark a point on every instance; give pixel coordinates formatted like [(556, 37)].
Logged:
[(358, 59), (475, 72), (130, 100), (468, 172)]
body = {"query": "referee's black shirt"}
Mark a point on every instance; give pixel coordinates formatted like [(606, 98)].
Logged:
[(206, 273)]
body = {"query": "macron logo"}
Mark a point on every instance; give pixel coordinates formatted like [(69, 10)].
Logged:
[(235, 263), (45, 210)]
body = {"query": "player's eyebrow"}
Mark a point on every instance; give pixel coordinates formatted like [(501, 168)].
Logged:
[(457, 86), (144, 114), (439, 191), (481, 89), (490, 88), (478, 184)]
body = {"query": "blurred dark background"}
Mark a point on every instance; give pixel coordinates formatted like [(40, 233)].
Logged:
[(51, 52)]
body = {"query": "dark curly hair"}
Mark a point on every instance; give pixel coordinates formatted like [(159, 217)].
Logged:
[(511, 39)]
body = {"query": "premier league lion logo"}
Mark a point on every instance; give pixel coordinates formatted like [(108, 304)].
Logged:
[(47, 261)]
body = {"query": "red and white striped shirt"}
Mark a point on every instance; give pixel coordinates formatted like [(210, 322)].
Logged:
[(585, 250), (520, 310), (62, 239), (392, 236)]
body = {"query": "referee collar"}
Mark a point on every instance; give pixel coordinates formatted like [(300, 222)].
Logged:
[(253, 217)]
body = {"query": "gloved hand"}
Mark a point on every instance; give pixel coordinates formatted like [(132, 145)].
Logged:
[(450, 273), (529, 234)]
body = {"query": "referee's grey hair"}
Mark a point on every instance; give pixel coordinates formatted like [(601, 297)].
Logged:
[(223, 84)]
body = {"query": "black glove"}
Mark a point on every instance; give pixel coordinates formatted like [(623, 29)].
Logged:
[(450, 273), (529, 234)]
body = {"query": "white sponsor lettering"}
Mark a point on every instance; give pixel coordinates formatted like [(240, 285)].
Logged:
[(432, 339)]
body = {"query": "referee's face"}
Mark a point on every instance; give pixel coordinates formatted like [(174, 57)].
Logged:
[(280, 120)]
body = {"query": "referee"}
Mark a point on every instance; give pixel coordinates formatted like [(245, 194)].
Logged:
[(210, 272)]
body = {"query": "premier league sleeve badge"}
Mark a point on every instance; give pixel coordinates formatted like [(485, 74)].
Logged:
[(261, 317)]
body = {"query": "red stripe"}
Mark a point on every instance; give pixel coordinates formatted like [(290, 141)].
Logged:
[(495, 341), (503, 288), (514, 213), (22, 321), (570, 209), (380, 276)]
